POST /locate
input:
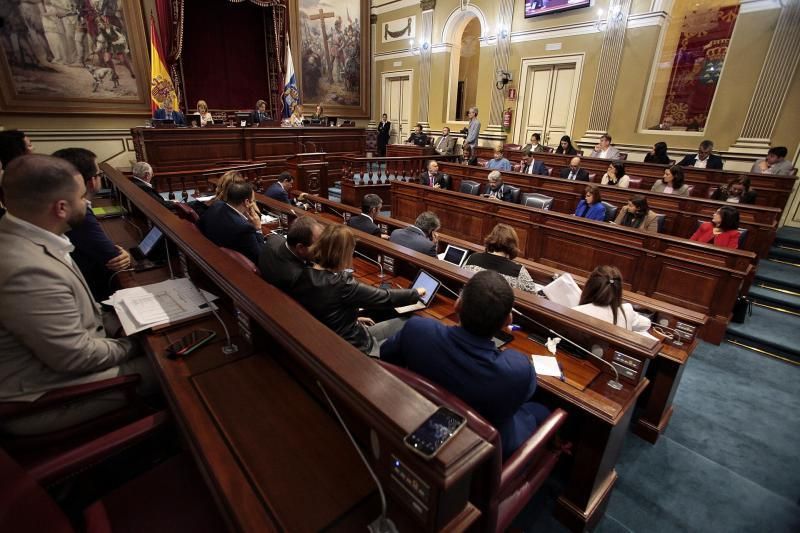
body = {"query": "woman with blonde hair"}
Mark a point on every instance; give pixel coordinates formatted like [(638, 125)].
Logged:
[(502, 247), (329, 291), (205, 116), (602, 298)]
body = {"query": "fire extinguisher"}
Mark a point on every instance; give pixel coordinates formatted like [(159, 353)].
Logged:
[(507, 116)]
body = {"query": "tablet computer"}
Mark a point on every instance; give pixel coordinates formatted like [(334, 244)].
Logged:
[(455, 255), (430, 284)]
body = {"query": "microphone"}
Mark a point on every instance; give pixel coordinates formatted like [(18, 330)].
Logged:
[(229, 348), (613, 383), (125, 219), (382, 524), (338, 213), (169, 259), (383, 284), (448, 289)]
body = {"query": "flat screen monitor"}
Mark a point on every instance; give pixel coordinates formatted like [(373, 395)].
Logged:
[(534, 8)]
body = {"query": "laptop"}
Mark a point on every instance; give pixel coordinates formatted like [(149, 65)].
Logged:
[(454, 255), (431, 285), (145, 248)]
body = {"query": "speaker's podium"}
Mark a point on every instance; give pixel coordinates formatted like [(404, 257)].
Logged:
[(310, 171), (409, 150)]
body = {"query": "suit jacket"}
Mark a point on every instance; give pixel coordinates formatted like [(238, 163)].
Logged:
[(364, 223), (583, 174), (419, 139), (441, 179), (537, 168), (226, 227), (413, 237), (177, 116), (255, 118), (714, 161), (504, 193), (497, 384), (278, 264), (148, 188), (93, 249), (594, 212), (529, 148), (612, 153), (726, 239), (473, 129), (445, 145), (51, 329), (659, 186), (277, 192), (649, 224), (383, 132)]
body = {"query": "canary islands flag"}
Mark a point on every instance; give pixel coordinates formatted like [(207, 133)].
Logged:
[(161, 86), (291, 96)]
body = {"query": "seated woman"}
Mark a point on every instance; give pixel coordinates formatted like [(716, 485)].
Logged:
[(319, 114), (672, 182), (330, 293), (205, 116), (565, 146), (637, 215), (502, 247), (722, 230), (221, 192), (737, 191), (591, 206), (658, 154), (297, 116), (615, 175), (602, 298)]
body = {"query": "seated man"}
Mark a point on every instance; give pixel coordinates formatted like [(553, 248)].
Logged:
[(446, 144), (535, 145), (371, 205), (282, 260), (432, 177), (166, 112), (280, 189), (235, 224), (703, 158), (604, 150), (774, 163), (529, 165), (465, 361), (142, 176), (496, 189), (52, 333), (574, 171), (260, 114), (498, 162), (417, 137), (95, 254), (420, 237)]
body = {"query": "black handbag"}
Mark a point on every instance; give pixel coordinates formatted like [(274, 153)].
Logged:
[(742, 309)]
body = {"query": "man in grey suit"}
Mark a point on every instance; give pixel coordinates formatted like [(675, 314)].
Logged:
[(420, 237), (604, 150), (52, 332), (446, 144), (471, 141)]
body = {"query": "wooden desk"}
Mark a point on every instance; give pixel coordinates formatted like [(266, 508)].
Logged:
[(409, 150)]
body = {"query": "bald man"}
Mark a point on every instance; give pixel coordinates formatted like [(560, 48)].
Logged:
[(574, 171)]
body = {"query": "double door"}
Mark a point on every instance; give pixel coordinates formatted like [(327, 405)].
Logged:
[(548, 92)]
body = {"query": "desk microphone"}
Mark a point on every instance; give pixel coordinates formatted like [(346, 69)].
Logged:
[(383, 285), (338, 213), (169, 259), (613, 383), (448, 289), (229, 348), (137, 228), (382, 524)]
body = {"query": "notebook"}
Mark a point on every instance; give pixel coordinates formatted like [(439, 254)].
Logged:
[(430, 284), (454, 255)]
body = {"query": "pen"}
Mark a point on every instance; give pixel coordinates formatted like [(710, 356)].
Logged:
[(562, 378)]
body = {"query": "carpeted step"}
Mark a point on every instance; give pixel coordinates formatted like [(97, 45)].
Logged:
[(769, 330), (335, 191), (777, 298), (785, 254), (788, 236), (779, 275)]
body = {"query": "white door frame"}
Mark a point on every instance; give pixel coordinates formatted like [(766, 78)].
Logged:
[(386, 76), (525, 63)]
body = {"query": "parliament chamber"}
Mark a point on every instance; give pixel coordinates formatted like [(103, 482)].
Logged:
[(435, 137)]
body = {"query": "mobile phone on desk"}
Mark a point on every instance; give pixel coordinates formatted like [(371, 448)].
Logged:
[(189, 343), (435, 432)]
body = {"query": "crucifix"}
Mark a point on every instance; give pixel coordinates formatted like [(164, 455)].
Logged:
[(328, 59)]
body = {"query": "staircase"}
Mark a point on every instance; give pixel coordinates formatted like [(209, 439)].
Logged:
[(774, 327)]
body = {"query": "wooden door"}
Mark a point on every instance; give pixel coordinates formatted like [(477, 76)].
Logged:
[(548, 103), (397, 105)]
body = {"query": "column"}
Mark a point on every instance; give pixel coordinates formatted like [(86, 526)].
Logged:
[(376, 108), (607, 70), (773, 83), (426, 37), (505, 13)]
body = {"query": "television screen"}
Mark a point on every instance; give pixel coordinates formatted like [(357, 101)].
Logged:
[(534, 8)]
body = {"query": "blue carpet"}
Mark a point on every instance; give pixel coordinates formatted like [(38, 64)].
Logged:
[(780, 274), (789, 236), (776, 298), (770, 329), (785, 254)]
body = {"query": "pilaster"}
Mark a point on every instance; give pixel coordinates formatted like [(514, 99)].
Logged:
[(426, 38)]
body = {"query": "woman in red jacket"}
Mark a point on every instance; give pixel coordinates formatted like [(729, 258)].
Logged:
[(722, 230)]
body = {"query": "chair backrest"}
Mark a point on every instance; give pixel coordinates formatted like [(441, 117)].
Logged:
[(514, 193), (634, 183), (711, 191), (593, 177), (660, 218), (690, 190), (470, 187), (241, 259), (446, 182), (611, 211), (623, 156), (742, 237), (187, 213), (534, 199)]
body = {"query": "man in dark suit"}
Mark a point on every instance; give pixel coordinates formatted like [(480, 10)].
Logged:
[(432, 177), (384, 128), (496, 189), (167, 112), (574, 171), (282, 260), (280, 189), (703, 158), (464, 360), (529, 165), (235, 224), (418, 137), (260, 114), (371, 205), (142, 177), (421, 237)]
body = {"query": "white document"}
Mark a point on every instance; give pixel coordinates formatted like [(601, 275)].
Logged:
[(205, 198), (546, 365), (563, 290), (268, 219)]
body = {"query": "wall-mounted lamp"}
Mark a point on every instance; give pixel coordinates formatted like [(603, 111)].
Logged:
[(502, 32), (503, 78), (614, 15), (424, 47)]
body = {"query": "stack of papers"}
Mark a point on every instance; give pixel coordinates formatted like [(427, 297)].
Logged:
[(140, 308)]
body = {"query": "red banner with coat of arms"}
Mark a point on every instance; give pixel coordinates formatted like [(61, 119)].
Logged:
[(703, 44)]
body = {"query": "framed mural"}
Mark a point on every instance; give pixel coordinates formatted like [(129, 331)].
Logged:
[(73, 56), (330, 48)]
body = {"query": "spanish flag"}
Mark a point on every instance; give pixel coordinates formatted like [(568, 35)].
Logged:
[(161, 86)]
